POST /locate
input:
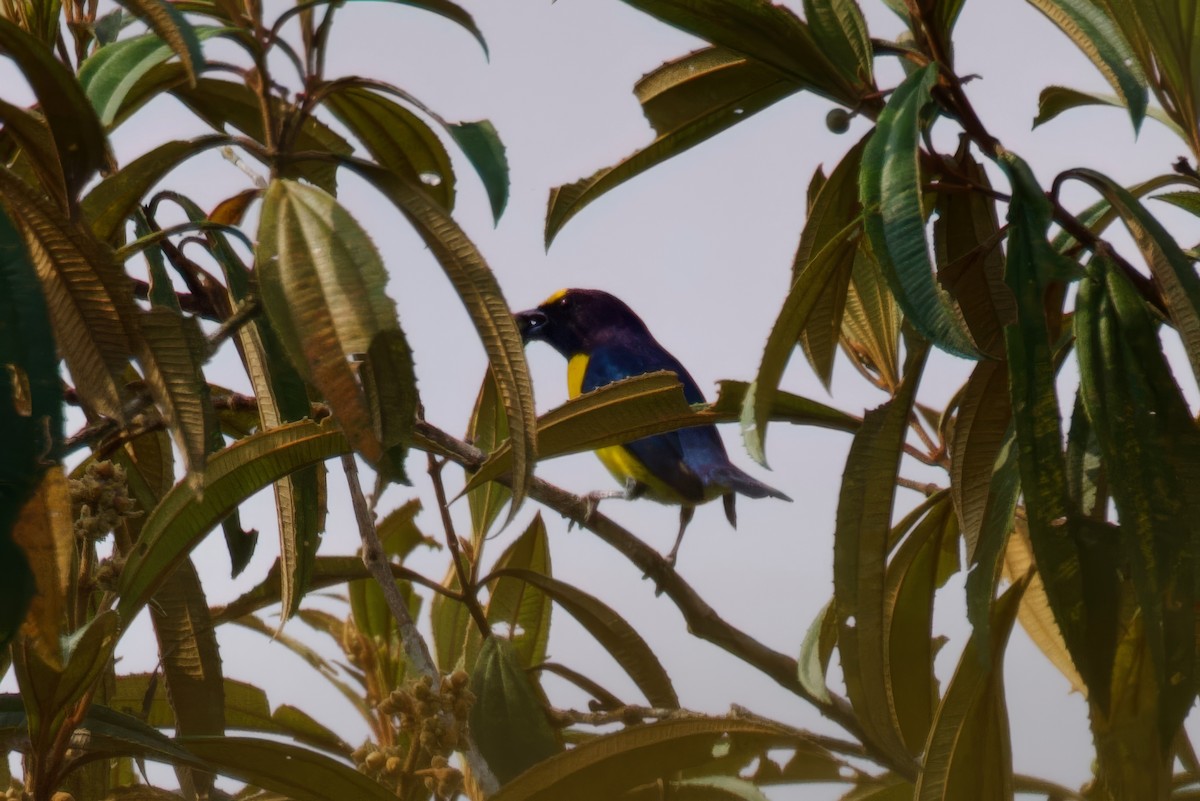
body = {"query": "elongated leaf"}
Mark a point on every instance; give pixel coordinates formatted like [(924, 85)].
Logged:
[(28, 131), (31, 417), (816, 651), (840, 31), (487, 430), (872, 320), (808, 288), (183, 516), (618, 412), (450, 621), (1171, 269), (1101, 41), (890, 188), (390, 383), (297, 773), (969, 754), (481, 144), (611, 631), (924, 561), (76, 131), (174, 29), (480, 293), (688, 101), (860, 554), (1054, 100), (834, 207), (980, 433), (452, 12), (1057, 539), (610, 765), (111, 201), (524, 608), (322, 283), (397, 139), (44, 531), (1148, 437), (191, 661), (1188, 201), (508, 720), (88, 297), (763, 31), (786, 408), (111, 72)]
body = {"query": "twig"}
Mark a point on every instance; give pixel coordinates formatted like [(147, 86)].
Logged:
[(415, 647), (464, 580), (926, 488)]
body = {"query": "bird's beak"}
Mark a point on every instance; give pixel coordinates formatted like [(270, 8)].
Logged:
[(530, 323)]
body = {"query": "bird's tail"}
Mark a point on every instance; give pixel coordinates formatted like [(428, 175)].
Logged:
[(744, 483)]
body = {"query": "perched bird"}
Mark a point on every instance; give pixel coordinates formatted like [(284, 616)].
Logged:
[(604, 341)]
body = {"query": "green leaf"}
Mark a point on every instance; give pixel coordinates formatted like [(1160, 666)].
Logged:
[(487, 430), (816, 651), (1094, 32), (396, 138), (480, 292), (834, 207), (871, 322), (764, 32), (390, 382), (926, 558), (452, 12), (176, 525), (508, 720), (1054, 100), (610, 765), (980, 435), (111, 72), (297, 773), (76, 131), (522, 607), (1188, 201), (612, 631), (174, 29), (786, 408), (860, 557), (322, 284), (619, 412), (890, 189), (31, 413), (450, 621), (808, 289), (88, 297), (1172, 270), (107, 205), (1147, 437), (28, 131), (840, 32), (481, 145), (687, 101), (969, 754), (966, 239)]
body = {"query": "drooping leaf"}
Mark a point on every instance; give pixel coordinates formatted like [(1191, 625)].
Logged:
[(296, 773), (980, 434), (612, 631), (481, 144), (969, 753), (860, 556), (76, 131), (834, 207), (816, 651), (322, 283), (111, 72), (1054, 100), (786, 408), (841, 34), (688, 101), (487, 430), (890, 189), (110, 202), (184, 516), (508, 721), (1094, 32), (390, 383), (808, 288), (611, 765), (872, 321)]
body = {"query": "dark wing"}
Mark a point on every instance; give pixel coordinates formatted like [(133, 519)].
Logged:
[(662, 454)]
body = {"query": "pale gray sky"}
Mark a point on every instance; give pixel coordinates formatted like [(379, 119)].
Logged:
[(701, 247)]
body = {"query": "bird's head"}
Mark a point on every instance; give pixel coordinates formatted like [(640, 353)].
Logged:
[(573, 320)]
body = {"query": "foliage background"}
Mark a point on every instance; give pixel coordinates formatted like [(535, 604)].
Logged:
[(702, 249)]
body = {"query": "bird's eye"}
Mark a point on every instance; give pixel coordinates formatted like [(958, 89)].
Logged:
[(564, 301)]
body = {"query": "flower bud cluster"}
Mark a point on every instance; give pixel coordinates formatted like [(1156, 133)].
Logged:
[(100, 500)]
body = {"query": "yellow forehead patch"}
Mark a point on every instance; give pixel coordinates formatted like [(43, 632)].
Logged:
[(556, 296)]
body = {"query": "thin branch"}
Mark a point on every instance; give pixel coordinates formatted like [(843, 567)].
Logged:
[(415, 647), (464, 580), (926, 488)]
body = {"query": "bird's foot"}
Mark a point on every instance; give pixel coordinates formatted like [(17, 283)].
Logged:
[(591, 501)]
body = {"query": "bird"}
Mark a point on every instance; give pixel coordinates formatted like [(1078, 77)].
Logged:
[(604, 341)]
